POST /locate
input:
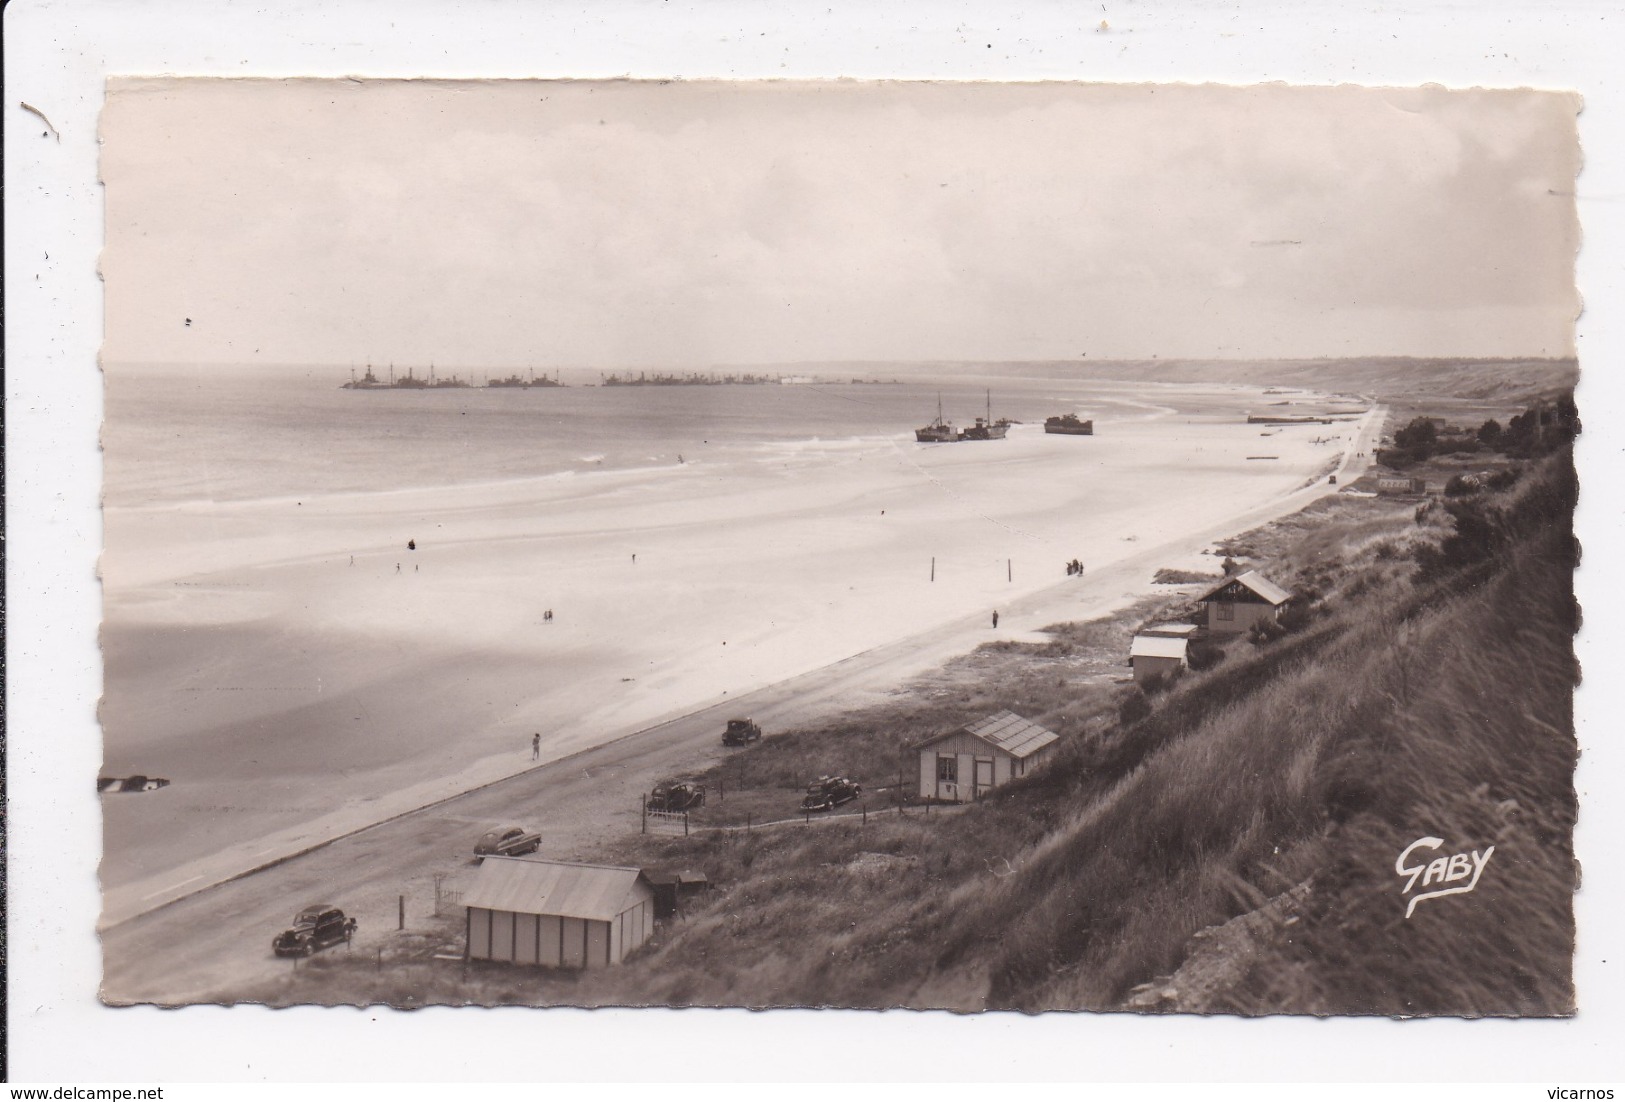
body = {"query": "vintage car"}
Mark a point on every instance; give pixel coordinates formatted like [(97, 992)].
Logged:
[(316, 927), (827, 793), (676, 796), (507, 842), (741, 732)]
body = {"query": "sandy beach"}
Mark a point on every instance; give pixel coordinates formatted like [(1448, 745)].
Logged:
[(289, 662)]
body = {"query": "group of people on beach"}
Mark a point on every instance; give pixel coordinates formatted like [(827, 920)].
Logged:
[(1074, 567)]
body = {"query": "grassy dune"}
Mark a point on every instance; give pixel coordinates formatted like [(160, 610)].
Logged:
[(1402, 704)]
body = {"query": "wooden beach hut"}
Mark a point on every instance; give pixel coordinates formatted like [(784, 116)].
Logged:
[(968, 762), (556, 913), (1157, 656), (1236, 604), (1401, 484)]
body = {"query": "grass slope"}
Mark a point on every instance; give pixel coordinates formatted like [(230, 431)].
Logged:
[(1397, 709)]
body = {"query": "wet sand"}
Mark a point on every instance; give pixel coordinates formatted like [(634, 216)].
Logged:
[(279, 686)]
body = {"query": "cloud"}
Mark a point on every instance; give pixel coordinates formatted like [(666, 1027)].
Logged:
[(603, 224)]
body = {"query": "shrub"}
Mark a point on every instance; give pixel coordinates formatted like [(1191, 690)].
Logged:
[(1461, 485), (1204, 654), (1265, 632), (1133, 709), (1419, 435)]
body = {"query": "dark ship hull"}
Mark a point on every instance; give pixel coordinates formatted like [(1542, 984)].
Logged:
[(1069, 425)]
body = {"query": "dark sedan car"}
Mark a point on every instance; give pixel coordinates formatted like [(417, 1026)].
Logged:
[(507, 842), (316, 927), (741, 732), (676, 796), (827, 793)]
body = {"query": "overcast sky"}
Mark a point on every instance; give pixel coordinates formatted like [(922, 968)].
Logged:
[(682, 225)]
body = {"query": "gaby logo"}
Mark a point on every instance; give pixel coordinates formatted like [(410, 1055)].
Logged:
[(1446, 872)]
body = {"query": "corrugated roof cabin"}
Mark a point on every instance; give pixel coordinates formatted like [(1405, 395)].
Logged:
[(1156, 656), (968, 762), (557, 914), (1236, 604)]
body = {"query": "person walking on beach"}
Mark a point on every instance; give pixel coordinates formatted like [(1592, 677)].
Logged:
[(995, 617), (397, 568), (536, 746)]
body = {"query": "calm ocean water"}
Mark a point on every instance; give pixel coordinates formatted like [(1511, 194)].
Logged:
[(234, 435)]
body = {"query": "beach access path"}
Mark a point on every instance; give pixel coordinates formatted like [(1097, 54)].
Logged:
[(205, 928)]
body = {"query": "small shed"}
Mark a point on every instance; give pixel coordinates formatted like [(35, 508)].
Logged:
[(968, 762), (1236, 604), (1395, 484), (557, 914), (673, 889), (1156, 656)]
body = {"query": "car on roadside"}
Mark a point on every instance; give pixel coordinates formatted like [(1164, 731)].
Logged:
[(316, 927), (676, 796), (509, 841), (828, 793), (741, 732)]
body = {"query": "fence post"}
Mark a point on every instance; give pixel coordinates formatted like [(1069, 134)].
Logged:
[(402, 925), (865, 814), (644, 804), (685, 822)]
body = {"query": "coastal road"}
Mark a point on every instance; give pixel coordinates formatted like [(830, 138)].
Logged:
[(216, 941)]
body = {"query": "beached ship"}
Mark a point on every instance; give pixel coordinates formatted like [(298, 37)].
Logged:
[(986, 428), (1286, 419), (1068, 424), (938, 431)]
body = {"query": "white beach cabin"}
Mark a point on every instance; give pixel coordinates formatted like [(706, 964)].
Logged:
[(968, 762), (557, 914), (1236, 604), (1157, 656)]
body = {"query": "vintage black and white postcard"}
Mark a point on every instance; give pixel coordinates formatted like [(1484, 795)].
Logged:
[(1087, 546), (865, 544)]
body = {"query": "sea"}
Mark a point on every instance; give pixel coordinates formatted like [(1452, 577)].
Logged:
[(232, 433)]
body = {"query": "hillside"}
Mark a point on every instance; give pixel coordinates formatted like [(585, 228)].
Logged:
[(1501, 383), (1227, 844)]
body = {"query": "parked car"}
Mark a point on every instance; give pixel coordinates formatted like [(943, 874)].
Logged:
[(676, 796), (507, 842), (741, 732), (827, 793), (316, 927)]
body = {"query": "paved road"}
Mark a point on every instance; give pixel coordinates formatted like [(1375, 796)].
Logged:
[(218, 939)]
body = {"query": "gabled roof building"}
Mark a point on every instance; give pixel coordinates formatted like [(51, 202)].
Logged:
[(1236, 604), (966, 763)]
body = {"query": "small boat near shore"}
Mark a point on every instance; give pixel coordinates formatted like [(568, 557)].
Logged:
[(1068, 424), (986, 428), (938, 431)]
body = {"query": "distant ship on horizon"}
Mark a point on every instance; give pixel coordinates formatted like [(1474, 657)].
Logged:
[(409, 381), (517, 382)]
